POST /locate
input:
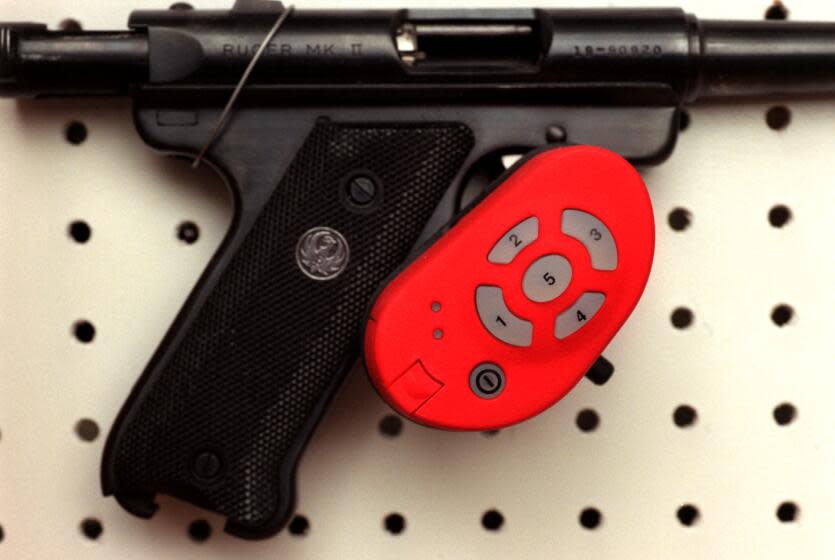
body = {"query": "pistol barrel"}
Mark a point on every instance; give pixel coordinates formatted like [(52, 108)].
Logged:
[(445, 50)]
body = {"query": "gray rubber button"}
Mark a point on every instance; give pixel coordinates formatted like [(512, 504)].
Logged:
[(546, 278), (487, 380), (520, 236), (578, 314), (594, 234), (498, 320)]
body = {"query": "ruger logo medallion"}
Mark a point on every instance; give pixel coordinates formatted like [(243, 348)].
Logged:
[(322, 253)]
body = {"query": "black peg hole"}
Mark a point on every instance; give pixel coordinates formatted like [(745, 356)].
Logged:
[(679, 219), (84, 331), (782, 315), (778, 117), (394, 523), (685, 416), (80, 231), (590, 518), (681, 318), (199, 530), (779, 216), (492, 520), (787, 512), (688, 515), (684, 121), (391, 425), (299, 526), (587, 420), (188, 232), (87, 430), (92, 528), (75, 133), (70, 24), (777, 12), (784, 414)]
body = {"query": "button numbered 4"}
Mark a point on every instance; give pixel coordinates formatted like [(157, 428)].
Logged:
[(576, 316)]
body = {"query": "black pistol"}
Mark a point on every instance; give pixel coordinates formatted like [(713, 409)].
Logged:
[(345, 137)]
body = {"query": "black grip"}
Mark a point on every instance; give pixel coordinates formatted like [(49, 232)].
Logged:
[(223, 421)]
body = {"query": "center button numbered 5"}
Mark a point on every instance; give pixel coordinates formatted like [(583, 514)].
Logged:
[(546, 278)]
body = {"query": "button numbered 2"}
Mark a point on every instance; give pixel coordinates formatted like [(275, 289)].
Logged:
[(517, 238)]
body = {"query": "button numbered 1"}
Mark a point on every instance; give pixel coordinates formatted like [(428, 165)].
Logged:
[(498, 320)]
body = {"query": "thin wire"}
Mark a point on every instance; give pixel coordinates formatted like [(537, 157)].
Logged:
[(228, 109)]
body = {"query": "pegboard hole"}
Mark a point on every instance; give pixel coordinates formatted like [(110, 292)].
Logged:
[(391, 425), (492, 520), (70, 24), (685, 416), (679, 219), (784, 414), (683, 121), (436, 306), (778, 117), (80, 231), (87, 430), (787, 512), (777, 12), (84, 331), (782, 315), (199, 530), (394, 523), (681, 318), (590, 518), (188, 232), (299, 526), (92, 528), (587, 420), (438, 334), (779, 215), (688, 515), (75, 133)]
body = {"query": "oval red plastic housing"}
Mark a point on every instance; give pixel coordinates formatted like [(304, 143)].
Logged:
[(503, 314)]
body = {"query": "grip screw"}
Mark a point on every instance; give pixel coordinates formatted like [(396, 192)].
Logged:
[(362, 190), (206, 465)]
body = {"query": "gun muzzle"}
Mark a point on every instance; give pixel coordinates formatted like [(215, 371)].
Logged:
[(35, 61)]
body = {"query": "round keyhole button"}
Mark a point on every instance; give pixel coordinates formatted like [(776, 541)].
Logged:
[(546, 278)]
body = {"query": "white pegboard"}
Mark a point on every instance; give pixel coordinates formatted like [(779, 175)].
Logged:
[(733, 365)]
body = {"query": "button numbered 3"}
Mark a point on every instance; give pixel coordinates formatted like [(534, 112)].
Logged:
[(594, 235)]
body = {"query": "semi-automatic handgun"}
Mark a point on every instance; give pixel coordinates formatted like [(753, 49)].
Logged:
[(345, 138)]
